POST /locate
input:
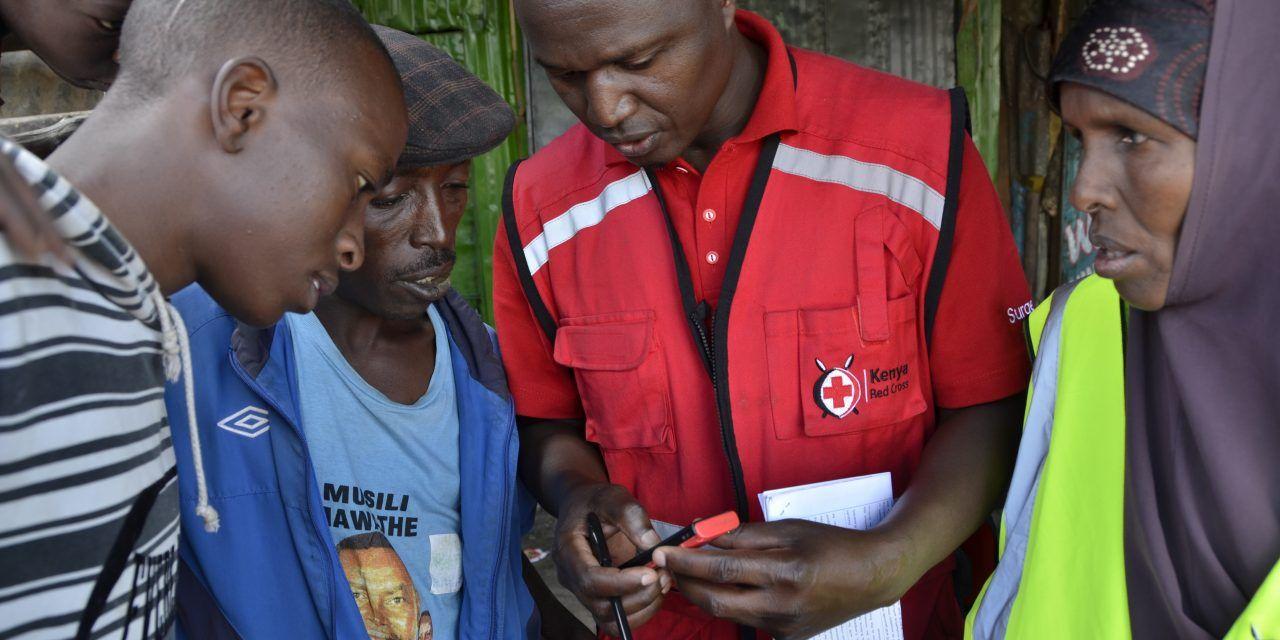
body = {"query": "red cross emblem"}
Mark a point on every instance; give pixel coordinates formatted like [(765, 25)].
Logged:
[(836, 392)]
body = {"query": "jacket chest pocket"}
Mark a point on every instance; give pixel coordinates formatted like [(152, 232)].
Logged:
[(622, 379), (855, 368), (824, 379)]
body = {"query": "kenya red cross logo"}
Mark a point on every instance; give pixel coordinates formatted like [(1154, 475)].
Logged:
[(836, 391)]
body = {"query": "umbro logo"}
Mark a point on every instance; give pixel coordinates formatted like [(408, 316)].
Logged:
[(249, 422)]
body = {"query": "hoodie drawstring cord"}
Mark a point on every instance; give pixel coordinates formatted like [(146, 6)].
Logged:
[(177, 362)]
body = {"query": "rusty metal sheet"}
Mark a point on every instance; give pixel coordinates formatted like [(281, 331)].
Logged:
[(801, 22), (44, 133), (30, 88), (910, 38)]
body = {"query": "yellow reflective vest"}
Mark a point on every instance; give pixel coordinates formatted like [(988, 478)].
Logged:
[(1062, 569)]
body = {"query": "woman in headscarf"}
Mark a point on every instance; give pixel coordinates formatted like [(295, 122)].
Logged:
[(1146, 498)]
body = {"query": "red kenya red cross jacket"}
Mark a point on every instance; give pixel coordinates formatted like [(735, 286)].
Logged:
[(856, 292)]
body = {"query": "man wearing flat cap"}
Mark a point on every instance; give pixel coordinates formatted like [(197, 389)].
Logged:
[(377, 427)]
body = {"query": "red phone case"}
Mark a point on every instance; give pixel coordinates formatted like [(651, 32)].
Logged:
[(709, 529)]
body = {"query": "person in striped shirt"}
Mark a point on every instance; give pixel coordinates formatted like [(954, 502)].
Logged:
[(177, 179)]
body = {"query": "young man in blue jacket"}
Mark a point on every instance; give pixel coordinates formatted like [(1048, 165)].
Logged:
[(365, 457)]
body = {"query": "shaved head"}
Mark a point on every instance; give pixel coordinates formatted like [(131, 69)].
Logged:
[(303, 40), (262, 128)]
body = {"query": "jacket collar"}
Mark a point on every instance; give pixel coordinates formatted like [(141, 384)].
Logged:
[(257, 351)]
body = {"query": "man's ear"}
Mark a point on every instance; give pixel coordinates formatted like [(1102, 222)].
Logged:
[(243, 90)]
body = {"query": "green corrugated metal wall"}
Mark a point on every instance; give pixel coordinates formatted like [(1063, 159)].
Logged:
[(482, 35), (978, 71)]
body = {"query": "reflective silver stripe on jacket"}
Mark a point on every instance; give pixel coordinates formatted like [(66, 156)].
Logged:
[(993, 612)]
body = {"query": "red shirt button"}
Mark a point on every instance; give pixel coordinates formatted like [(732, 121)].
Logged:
[(709, 215), (712, 257)]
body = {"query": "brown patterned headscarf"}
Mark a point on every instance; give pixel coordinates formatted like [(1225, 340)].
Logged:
[(1149, 53)]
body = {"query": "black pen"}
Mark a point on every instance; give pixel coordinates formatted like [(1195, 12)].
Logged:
[(595, 536)]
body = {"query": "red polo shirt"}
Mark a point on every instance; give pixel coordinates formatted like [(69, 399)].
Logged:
[(821, 362)]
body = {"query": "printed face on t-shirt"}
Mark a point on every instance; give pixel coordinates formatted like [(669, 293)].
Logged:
[(396, 524), (384, 592), (424, 626)]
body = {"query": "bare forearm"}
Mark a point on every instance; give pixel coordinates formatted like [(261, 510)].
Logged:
[(964, 471), (556, 458)]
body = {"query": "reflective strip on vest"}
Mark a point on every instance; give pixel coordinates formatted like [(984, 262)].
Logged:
[(901, 188), (565, 226), (992, 617), (1062, 565), (904, 189)]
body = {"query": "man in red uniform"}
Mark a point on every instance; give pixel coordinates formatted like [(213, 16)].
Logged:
[(753, 267)]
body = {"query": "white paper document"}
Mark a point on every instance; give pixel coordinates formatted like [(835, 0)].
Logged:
[(852, 503)]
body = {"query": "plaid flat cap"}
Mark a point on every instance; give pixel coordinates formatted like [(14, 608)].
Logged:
[(453, 115)]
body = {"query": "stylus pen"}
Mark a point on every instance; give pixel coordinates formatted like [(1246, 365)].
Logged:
[(646, 556), (595, 536)]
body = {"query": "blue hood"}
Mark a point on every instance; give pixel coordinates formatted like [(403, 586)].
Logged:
[(272, 570)]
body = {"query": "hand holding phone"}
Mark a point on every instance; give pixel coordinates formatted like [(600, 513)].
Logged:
[(691, 537)]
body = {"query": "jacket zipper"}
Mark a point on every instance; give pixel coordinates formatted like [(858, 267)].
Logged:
[(306, 456), (707, 343), (715, 351), (699, 321), (498, 557)]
